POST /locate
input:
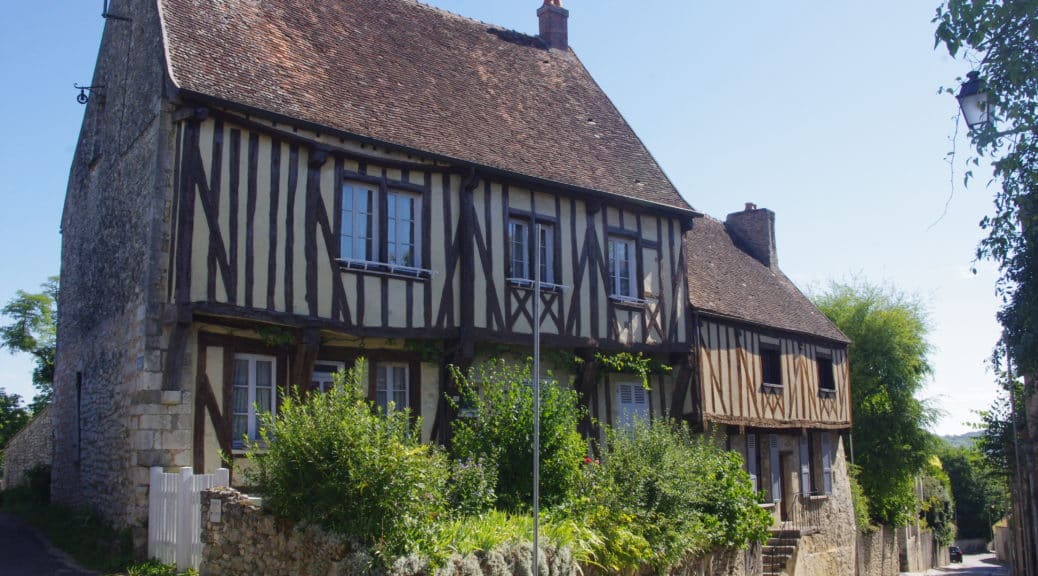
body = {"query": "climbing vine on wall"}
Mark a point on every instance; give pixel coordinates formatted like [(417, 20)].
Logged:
[(631, 363)]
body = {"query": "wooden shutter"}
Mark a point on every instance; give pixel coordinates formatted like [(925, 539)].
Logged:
[(776, 471), (805, 465), (633, 402), (751, 459), (827, 462)]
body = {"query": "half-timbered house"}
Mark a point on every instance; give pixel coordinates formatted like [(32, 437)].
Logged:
[(771, 376), (265, 191)]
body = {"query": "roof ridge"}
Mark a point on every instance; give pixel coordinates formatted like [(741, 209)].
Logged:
[(456, 16)]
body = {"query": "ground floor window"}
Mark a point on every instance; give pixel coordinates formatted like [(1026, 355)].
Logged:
[(253, 394), (392, 386), (322, 379)]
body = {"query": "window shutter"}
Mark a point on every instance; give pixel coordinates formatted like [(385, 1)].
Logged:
[(633, 403), (827, 462), (776, 472), (805, 465), (751, 459)]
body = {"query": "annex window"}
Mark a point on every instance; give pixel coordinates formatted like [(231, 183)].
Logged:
[(322, 379), (380, 229), (621, 268), (826, 380), (253, 394), (391, 386), (771, 364), (522, 257), (632, 403)]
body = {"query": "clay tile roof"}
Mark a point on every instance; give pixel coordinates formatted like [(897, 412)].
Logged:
[(726, 281), (407, 74)]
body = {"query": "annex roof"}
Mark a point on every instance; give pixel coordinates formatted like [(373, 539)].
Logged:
[(406, 74), (726, 281)]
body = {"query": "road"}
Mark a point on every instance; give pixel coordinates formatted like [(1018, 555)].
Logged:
[(972, 565), (24, 553)]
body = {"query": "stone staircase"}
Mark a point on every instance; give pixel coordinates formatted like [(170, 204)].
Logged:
[(778, 549)]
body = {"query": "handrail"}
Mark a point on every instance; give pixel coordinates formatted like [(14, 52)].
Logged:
[(804, 514)]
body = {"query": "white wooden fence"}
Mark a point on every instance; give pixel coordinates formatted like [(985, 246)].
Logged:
[(175, 514)]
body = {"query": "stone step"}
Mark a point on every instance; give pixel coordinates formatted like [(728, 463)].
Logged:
[(784, 533), (778, 550), (782, 542)]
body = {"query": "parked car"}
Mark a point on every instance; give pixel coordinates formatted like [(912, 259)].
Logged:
[(955, 554)]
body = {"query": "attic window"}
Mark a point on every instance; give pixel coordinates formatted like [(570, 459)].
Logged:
[(826, 381), (771, 365)]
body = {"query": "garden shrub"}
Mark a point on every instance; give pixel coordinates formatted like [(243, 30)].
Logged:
[(471, 488), (661, 494), (334, 460), (500, 432)]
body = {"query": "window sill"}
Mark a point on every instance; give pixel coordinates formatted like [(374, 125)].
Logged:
[(813, 497), (827, 393), (384, 269), (631, 301), (767, 388), (527, 284)]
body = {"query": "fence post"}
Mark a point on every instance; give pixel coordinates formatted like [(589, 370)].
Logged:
[(154, 510), (223, 477), (184, 510)]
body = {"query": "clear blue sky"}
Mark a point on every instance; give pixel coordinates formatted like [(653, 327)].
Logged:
[(826, 113)]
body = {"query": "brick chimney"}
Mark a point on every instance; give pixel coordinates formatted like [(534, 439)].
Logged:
[(754, 228), (554, 27)]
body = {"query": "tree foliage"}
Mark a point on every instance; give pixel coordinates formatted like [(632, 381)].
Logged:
[(888, 366), (12, 418), (980, 492), (998, 39), (33, 330)]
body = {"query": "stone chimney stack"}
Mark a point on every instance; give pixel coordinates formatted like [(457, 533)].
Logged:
[(754, 228), (554, 24)]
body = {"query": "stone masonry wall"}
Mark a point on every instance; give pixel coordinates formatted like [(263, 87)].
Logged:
[(31, 447), (240, 539), (877, 553), (831, 549), (111, 418)]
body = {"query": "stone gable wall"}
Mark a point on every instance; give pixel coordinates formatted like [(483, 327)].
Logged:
[(32, 446), (240, 539), (111, 418)]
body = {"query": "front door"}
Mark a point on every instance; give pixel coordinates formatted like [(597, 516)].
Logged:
[(786, 484)]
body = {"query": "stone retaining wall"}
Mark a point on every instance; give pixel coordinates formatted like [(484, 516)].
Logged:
[(32, 446), (240, 539), (877, 553)]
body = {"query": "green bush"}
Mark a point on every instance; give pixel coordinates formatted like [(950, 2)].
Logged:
[(662, 494), (859, 500), (471, 488), (334, 460), (500, 432)]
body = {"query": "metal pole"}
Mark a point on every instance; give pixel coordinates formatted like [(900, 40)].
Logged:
[(536, 394)]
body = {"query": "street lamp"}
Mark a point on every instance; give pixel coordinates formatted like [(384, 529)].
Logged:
[(973, 100)]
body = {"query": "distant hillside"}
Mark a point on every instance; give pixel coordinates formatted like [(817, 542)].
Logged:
[(962, 440)]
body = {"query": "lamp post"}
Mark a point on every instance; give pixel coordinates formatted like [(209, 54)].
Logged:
[(973, 100)]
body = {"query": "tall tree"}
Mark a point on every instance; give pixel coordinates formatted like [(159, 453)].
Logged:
[(999, 40), (980, 492), (33, 330), (888, 357)]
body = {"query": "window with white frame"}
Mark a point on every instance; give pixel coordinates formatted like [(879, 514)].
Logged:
[(622, 267), (322, 379), (377, 232), (253, 394), (632, 404), (522, 257), (359, 225), (392, 386)]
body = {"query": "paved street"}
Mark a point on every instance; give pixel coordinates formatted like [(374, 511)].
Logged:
[(972, 565), (23, 553)]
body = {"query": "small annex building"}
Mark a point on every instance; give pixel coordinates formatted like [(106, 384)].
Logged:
[(772, 377)]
